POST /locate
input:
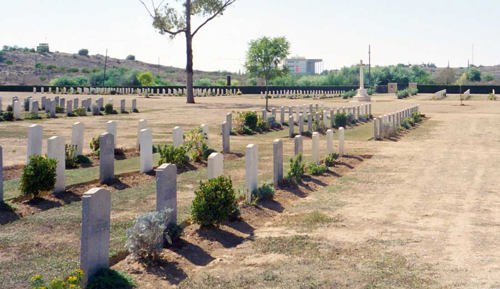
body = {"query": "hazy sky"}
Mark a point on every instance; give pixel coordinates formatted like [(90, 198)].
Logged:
[(339, 32)]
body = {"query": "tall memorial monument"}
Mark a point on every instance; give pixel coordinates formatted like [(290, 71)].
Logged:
[(362, 95)]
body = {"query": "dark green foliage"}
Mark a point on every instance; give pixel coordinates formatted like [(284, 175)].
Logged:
[(348, 94), (340, 120), (406, 92), (317, 169), (69, 81), (174, 155), (207, 151), (214, 202), (474, 74), (80, 111), (407, 122), (59, 109), (262, 125), (111, 279), (297, 169), (130, 57), (417, 117), (39, 175), (250, 119), (70, 156), (331, 159), (83, 52), (83, 160), (9, 108), (8, 116), (108, 108), (264, 192)]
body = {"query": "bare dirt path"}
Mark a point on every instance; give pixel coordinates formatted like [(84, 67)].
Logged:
[(437, 191)]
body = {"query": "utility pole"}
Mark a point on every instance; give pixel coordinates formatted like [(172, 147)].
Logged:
[(472, 61), (158, 68), (105, 64), (369, 65)]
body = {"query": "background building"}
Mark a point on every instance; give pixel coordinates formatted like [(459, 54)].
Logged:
[(301, 65)]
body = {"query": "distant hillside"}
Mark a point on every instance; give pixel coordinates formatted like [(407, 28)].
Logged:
[(23, 67)]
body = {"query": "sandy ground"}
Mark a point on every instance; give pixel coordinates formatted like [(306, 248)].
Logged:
[(433, 195)]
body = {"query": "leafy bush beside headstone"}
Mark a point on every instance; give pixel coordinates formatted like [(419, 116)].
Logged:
[(340, 119), (214, 202), (39, 175), (264, 192), (297, 169), (174, 155), (107, 278)]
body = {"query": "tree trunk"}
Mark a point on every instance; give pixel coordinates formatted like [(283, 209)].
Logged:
[(189, 54), (266, 96)]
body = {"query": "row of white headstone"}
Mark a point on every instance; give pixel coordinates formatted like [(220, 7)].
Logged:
[(387, 125), (314, 93), (139, 91), (440, 94), (49, 105)]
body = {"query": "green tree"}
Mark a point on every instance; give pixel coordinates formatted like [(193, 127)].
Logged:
[(145, 78), (264, 58), (488, 78), (130, 57), (170, 21), (474, 74), (83, 52)]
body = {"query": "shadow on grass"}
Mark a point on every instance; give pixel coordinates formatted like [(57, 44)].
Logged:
[(272, 205), (68, 197), (7, 214), (42, 204), (192, 252), (169, 270), (225, 238)]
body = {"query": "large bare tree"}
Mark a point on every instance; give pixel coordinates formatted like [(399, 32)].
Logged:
[(169, 20)]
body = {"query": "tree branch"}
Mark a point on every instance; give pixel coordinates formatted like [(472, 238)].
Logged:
[(221, 9), (155, 16)]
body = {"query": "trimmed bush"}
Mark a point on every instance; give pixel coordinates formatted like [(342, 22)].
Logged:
[(250, 119), (331, 159), (94, 145), (8, 115), (80, 111), (317, 169), (39, 175), (108, 109), (340, 120), (297, 170), (348, 94), (174, 155), (196, 145), (264, 192), (214, 202)]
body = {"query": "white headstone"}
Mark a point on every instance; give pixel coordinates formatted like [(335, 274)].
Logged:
[(277, 162), (77, 134), (178, 136), (315, 147), (111, 128), (55, 150), (215, 165), (146, 145), (251, 163), (341, 141), (106, 158), (141, 125), (166, 189), (35, 133), (94, 244), (329, 141)]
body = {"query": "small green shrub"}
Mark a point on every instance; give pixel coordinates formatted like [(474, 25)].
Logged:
[(340, 120), (83, 160), (407, 122), (207, 151), (317, 169), (72, 281), (264, 192), (39, 175), (262, 125), (146, 237), (130, 57), (250, 119), (70, 156), (297, 169), (331, 159), (348, 94), (174, 155), (8, 115), (492, 96), (417, 117), (80, 111), (196, 144), (108, 109), (26, 104), (214, 202), (111, 279), (9, 108), (59, 109), (402, 94)]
